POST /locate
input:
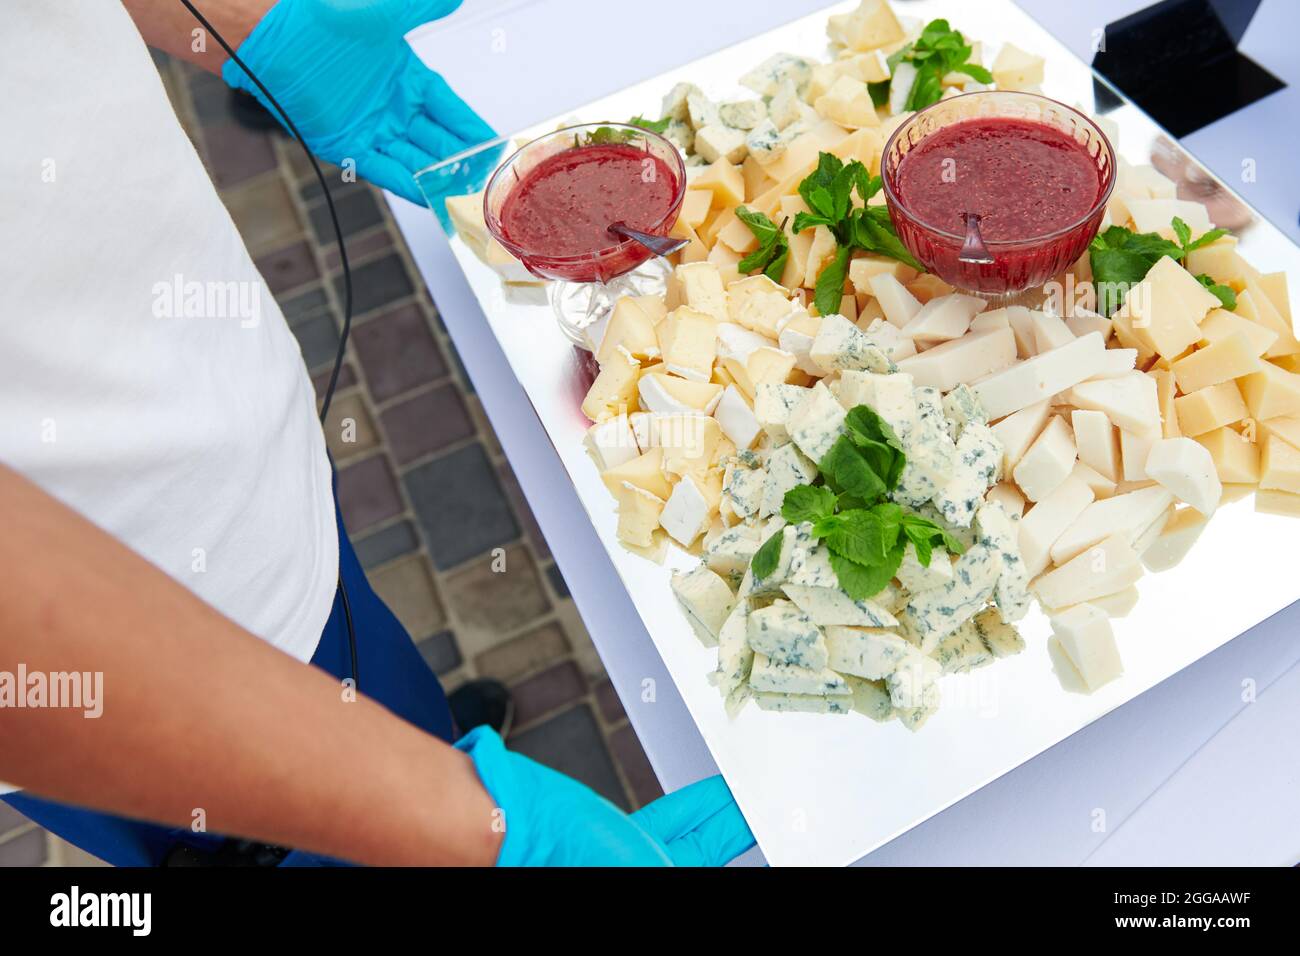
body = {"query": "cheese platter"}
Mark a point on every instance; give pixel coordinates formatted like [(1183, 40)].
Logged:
[(1042, 463)]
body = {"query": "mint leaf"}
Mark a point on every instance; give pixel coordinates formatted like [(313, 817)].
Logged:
[(773, 245), (829, 290), (864, 422), (860, 581), (926, 535), (1184, 234), (654, 126), (858, 535), (1182, 231), (847, 472), (1214, 235), (877, 442), (808, 503), (1224, 293), (767, 557), (873, 231)]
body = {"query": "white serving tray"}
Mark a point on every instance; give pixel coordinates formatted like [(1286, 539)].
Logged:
[(825, 790)]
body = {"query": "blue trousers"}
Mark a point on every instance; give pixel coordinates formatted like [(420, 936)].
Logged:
[(390, 669)]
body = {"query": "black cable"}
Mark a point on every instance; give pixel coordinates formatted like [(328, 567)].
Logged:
[(347, 282)]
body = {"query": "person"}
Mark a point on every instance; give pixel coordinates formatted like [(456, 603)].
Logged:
[(166, 495)]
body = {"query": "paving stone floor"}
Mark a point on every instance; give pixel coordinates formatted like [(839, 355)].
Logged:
[(433, 508)]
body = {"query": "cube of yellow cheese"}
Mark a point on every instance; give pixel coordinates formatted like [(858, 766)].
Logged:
[(1271, 391), (696, 206), (1210, 408), (1235, 458), (614, 390), (702, 289), (765, 365), (631, 328), (725, 180), (1274, 286), (866, 266), (1165, 392), (1279, 465), (1164, 309), (871, 25), (1286, 428), (1259, 307), (1015, 69), (638, 514), (848, 103), (688, 339), (1230, 357), (646, 471), (822, 251), (1273, 502), (1221, 262), (1220, 323)]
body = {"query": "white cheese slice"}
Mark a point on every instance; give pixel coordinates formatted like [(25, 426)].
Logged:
[(1175, 539), (1185, 468), (1040, 377), (737, 342), (1050, 518), (967, 358), (1128, 513), (899, 305), (944, 318), (1118, 604), (686, 512), (1130, 401), (1103, 568), (1086, 637), (1048, 462), (1097, 442), (611, 442), (1017, 432), (736, 418), (1050, 331), (1118, 362)]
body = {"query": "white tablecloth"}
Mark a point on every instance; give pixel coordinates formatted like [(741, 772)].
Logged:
[(1177, 776)]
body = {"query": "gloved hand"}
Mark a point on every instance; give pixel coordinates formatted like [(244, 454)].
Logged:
[(350, 82), (552, 820)]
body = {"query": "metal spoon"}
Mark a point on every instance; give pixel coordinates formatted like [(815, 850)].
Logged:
[(659, 245), (973, 250)]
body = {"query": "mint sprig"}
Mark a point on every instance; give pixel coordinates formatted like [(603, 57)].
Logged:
[(1226, 295), (773, 245), (865, 534), (1121, 258), (828, 192), (938, 51)]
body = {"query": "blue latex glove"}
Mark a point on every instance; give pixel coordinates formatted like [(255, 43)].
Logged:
[(350, 82), (552, 820)]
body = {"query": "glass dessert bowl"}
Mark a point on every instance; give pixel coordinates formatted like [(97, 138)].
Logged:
[(997, 191), (551, 204)]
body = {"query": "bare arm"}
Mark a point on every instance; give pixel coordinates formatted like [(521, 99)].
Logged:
[(166, 25), (198, 713)]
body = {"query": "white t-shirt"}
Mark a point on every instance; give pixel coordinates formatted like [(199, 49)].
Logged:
[(147, 378)]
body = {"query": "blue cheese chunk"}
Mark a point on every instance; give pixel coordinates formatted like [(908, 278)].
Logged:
[(742, 491), (870, 698), (999, 530), (792, 539), (783, 111), (829, 606), (914, 718), (701, 111), (786, 635), (803, 703), (938, 612), (963, 650), (765, 143), (912, 683), (811, 564), (930, 452), (734, 653), (718, 141), (787, 468), (766, 78), (1000, 638), (743, 114), (960, 406), (870, 653), (817, 423), (889, 396), (768, 675), (773, 404), (674, 106), (917, 577), (706, 600), (728, 553), (976, 468), (842, 346)]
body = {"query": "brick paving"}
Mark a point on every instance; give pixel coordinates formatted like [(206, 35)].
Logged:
[(433, 508)]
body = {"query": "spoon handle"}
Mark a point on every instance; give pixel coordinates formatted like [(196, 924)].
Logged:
[(659, 245), (973, 250)]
